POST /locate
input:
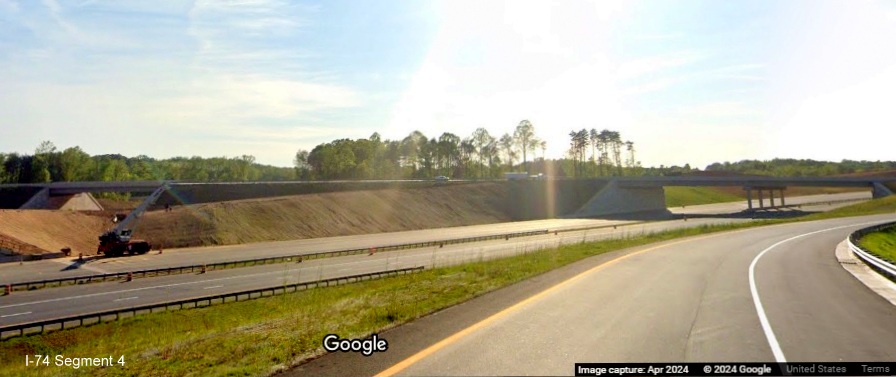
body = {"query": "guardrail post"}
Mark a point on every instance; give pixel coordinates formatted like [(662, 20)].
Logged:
[(8, 290)]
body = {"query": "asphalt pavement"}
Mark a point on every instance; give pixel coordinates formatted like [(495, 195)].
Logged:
[(694, 299)]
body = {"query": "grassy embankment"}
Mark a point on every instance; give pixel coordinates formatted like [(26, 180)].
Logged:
[(260, 336), (882, 243), (689, 196)]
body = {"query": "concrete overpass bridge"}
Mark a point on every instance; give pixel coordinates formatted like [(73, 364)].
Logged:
[(530, 199), (636, 194)]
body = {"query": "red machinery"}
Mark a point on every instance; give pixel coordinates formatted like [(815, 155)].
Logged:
[(118, 241)]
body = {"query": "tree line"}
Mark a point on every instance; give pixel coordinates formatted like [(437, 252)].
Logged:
[(606, 158), (48, 164), (479, 155), (787, 167), (592, 153)]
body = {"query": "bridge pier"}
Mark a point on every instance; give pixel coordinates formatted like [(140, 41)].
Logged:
[(749, 198), (761, 197)]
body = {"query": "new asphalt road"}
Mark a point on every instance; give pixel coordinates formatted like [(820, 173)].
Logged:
[(68, 267), (764, 294), (23, 307)]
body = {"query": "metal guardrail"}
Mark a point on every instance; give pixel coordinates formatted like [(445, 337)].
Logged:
[(881, 265), (197, 302), (116, 276)]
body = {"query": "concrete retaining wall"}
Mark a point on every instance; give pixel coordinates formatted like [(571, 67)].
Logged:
[(613, 200), (880, 191), (40, 200), (544, 199)]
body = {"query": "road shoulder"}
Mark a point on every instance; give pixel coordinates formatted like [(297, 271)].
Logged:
[(871, 279)]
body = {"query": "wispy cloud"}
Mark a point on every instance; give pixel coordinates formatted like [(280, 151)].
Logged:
[(636, 68)]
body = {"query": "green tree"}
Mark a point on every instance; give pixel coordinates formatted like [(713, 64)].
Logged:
[(523, 138), (116, 171), (74, 164), (303, 168), (482, 141), (506, 143)]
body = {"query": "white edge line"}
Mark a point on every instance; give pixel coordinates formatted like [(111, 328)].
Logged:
[(763, 319), (13, 315)]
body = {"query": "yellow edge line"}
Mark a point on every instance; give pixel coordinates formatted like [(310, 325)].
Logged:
[(402, 365)]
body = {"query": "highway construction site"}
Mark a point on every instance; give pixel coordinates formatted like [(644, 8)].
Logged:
[(222, 251), (209, 218)]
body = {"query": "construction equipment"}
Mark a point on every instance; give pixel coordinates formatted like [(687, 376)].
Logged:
[(117, 241)]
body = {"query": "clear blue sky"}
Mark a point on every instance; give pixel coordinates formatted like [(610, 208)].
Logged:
[(688, 81)]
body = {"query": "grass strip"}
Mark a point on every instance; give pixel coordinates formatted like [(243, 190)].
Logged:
[(881, 243), (677, 196), (259, 337)]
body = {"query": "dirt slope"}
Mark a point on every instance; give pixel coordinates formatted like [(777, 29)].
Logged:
[(51, 230), (281, 218), (323, 215)]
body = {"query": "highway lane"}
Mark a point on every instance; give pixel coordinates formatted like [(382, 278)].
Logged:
[(70, 300), (68, 267), (52, 303), (818, 310), (686, 300)]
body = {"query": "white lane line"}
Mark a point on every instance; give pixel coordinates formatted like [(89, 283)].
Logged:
[(213, 287), (13, 315), (125, 299), (763, 319)]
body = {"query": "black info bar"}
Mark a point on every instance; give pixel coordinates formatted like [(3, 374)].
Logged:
[(737, 369)]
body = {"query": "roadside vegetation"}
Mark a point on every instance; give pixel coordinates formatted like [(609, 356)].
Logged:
[(689, 196), (871, 207), (262, 336), (882, 243)]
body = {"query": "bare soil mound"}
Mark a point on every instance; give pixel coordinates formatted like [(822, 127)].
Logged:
[(52, 230), (324, 215)]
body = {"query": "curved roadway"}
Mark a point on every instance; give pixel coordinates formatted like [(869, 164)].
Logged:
[(764, 294)]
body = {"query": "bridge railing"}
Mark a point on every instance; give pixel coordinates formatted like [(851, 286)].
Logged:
[(197, 268), (62, 323), (881, 265)]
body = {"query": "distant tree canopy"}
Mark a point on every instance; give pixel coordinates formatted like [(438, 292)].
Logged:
[(801, 168), (606, 154), (591, 153), (73, 164), (479, 155)]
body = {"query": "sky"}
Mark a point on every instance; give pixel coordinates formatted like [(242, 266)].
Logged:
[(689, 82)]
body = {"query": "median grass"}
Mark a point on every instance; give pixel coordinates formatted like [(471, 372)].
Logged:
[(689, 196), (262, 336), (871, 207)]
